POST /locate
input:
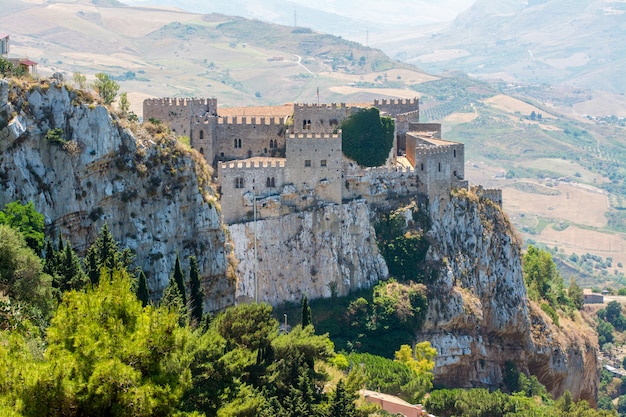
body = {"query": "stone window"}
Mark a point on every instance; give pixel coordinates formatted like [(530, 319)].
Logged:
[(237, 143), (271, 182), (454, 153), (202, 134), (455, 173), (422, 166), (271, 144), (439, 166), (238, 182), (307, 162), (323, 163)]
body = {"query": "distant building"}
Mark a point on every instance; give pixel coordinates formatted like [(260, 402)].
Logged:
[(4, 44), (392, 404), (592, 298), (29, 67)]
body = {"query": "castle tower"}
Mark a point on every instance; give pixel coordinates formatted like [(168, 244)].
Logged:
[(314, 164)]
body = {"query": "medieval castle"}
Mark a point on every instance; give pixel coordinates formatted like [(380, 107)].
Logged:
[(275, 160)]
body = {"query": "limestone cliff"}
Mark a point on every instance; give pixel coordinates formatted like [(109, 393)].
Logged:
[(479, 315), (314, 253), (82, 168)]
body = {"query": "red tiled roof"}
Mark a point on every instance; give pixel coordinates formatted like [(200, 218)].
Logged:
[(27, 62)]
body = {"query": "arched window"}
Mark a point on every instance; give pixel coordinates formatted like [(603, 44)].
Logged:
[(235, 143), (202, 151), (271, 144), (308, 127), (303, 124), (273, 183), (268, 183), (240, 143)]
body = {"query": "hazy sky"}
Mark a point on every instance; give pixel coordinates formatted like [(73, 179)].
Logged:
[(339, 17)]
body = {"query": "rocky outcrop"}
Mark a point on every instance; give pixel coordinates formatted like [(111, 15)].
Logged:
[(82, 168), (479, 315), (313, 253)]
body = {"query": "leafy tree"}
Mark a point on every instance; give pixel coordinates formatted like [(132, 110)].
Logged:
[(367, 138), (124, 104), (106, 87), (576, 294), (21, 273), (542, 277), (142, 293), (421, 362), (305, 316), (80, 80), (108, 356), (196, 295), (613, 311), (26, 219)]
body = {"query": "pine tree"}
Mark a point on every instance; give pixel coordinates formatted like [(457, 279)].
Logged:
[(306, 312), (196, 294), (71, 274), (142, 289), (342, 403)]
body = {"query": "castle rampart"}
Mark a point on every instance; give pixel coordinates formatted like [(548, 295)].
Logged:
[(259, 163)]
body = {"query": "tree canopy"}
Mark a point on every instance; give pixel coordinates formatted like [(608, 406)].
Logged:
[(367, 138)]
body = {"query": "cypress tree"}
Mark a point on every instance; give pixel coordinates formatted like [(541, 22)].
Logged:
[(179, 279), (306, 312), (142, 289), (196, 294)]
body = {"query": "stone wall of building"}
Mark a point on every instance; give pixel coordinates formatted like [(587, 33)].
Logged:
[(319, 118), (314, 164), (395, 107), (179, 112), (244, 183)]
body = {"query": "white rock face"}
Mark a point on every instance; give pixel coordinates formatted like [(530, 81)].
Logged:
[(155, 214), (479, 314), (311, 253)]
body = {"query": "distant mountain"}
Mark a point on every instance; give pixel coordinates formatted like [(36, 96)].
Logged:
[(339, 17), (576, 43)]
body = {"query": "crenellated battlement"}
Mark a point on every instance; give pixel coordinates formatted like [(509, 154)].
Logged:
[(432, 150), (324, 106), (180, 102), (240, 120), (389, 170), (315, 135), (396, 102), (240, 164)]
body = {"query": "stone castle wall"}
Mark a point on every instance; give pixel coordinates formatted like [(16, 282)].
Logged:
[(314, 162), (319, 118), (244, 182), (179, 112), (395, 107)]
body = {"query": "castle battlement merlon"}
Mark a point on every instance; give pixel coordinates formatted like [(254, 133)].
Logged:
[(240, 164), (431, 150), (309, 106), (180, 102), (251, 121), (315, 135), (396, 102), (389, 170)]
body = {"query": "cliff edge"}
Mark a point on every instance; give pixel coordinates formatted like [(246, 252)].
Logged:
[(82, 166)]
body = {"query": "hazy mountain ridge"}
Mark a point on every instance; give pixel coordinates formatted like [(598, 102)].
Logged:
[(553, 42)]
